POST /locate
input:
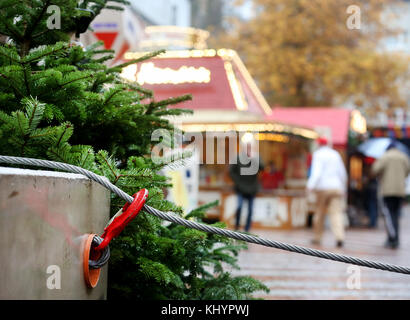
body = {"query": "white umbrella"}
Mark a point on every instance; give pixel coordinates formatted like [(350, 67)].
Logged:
[(376, 147)]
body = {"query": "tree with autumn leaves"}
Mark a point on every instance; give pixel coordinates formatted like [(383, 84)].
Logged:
[(303, 53)]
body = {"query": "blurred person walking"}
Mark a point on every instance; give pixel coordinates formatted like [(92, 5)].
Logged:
[(328, 180), (371, 203), (392, 168), (246, 184)]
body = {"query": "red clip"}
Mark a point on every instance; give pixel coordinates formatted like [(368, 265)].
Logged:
[(121, 219)]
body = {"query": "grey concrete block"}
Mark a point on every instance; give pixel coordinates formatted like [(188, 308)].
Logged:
[(44, 219)]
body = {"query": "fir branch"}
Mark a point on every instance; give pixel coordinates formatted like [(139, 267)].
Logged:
[(109, 166), (105, 58), (112, 95), (99, 80), (15, 89), (47, 52), (7, 53), (147, 93), (35, 111), (22, 125), (45, 134), (31, 28), (25, 75), (74, 80), (85, 158), (152, 105), (138, 60), (13, 31), (60, 138), (34, 36), (56, 155), (93, 46), (20, 117), (200, 211), (137, 176)]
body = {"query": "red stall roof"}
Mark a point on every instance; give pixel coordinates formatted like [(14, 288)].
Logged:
[(337, 119), (217, 80), (223, 90)]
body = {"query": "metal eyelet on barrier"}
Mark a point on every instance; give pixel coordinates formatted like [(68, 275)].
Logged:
[(91, 276), (104, 255), (97, 250)]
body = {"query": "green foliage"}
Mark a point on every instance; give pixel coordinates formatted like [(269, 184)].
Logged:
[(62, 103)]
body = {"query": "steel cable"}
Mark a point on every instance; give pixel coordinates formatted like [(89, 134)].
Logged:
[(104, 257), (203, 227)]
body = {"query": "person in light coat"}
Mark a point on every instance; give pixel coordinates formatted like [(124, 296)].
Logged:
[(328, 179), (392, 168)]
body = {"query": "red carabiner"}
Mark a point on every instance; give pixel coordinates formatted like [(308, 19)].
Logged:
[(121, 219)]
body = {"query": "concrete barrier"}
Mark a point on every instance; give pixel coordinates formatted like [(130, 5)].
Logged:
[(45, 217)]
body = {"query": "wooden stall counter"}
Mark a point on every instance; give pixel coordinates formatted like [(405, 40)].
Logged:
[(273, 209)]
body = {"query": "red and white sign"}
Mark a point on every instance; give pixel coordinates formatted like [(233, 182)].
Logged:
[(119, 30)]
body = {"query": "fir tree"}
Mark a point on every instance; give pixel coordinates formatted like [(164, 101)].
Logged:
[(59, 101)]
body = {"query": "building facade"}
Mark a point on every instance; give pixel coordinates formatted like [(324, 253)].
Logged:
[(164, 12)]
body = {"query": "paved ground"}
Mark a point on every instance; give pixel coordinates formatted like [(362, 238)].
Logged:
[(295, 276)]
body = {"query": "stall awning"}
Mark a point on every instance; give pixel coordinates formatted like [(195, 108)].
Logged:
[(337, 120), (217, 80)]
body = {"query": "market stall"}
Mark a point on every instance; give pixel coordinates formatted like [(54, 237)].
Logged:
[(284, 151), (228, 105)]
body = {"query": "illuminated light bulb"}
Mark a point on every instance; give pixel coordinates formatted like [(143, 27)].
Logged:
[(247, 137), (151, 74), (358, 122), (128, 73), (236, 89)]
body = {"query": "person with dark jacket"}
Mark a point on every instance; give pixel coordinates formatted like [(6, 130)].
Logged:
[(392, 169), (246, 183), (370, 192)]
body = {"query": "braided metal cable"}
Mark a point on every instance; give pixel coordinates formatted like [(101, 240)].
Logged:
[(104, 257), (203, 227)]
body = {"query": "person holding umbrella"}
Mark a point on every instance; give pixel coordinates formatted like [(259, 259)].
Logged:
[(392, 168)]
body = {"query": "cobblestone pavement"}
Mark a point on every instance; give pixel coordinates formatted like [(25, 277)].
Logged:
[(296, 276)]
